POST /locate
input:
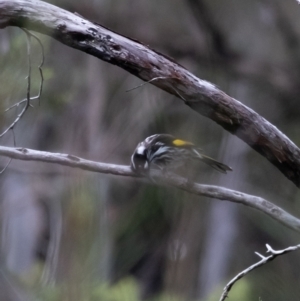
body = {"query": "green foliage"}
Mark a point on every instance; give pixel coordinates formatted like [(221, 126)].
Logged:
[(241, 291), (49, 293), (128, 290), (124, 290)]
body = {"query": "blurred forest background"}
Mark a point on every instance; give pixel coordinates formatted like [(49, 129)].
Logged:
[(68, 234)]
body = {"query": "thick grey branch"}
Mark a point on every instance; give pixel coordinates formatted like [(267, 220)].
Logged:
[(148, 64), (170, 179)]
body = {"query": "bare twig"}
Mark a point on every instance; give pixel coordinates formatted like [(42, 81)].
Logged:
[(27, 101), (154, 79), (38, 97), (28, 98), (215, 192), (263, 261), (145, 83)]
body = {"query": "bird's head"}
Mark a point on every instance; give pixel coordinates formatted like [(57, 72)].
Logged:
[(139, 160)]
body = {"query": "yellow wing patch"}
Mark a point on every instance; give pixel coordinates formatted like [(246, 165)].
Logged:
[(178, 142)]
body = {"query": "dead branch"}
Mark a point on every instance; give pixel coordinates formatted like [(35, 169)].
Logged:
[(28, 98), (147, 64), (263, 261), (173, 180)]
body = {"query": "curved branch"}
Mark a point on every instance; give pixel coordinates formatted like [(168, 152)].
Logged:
[(147, 64), (215, 192), (258, 264)]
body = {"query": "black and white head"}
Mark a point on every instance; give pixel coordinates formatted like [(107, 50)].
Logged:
[(148, 150), (139, 160)]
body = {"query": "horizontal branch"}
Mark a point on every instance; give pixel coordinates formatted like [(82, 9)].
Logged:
[(163, 72), (27, 154), (215, 192)]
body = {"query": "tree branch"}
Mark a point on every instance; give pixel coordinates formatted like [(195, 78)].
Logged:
[(263, 261), (148, 64), (173, 180), (28, 98)]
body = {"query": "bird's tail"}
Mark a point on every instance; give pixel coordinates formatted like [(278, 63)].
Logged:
[(215, 164)]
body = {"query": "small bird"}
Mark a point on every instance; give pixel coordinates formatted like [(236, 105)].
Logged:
[(165, 152)]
